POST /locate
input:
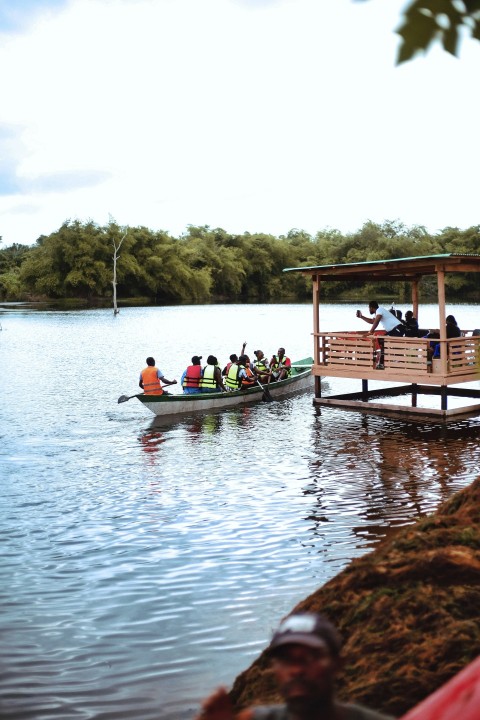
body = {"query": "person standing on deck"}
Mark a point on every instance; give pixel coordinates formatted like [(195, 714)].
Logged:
[(150, 378), (391, 324), (305, 653)]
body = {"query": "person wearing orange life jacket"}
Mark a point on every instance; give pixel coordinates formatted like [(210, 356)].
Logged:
[(192, 376), (280, 365), (150, 378), (211, 380), (246, 375)]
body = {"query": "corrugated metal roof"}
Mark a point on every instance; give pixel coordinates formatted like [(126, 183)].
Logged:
[(395, 268), (392, 260)]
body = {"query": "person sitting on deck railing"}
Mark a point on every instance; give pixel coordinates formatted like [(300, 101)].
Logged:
[(390, 323)]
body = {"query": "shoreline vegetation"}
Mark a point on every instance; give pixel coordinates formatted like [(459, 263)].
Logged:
[(409, 613), (77, 263)]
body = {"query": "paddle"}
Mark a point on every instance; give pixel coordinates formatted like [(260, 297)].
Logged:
[(266, 392), (124, 398)]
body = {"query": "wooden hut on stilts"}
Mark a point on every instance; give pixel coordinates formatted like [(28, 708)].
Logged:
[(407, 360)]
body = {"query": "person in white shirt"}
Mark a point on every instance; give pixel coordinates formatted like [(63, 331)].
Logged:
[(390, 323)]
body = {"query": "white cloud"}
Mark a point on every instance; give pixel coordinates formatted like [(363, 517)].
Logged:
[(234, 113)]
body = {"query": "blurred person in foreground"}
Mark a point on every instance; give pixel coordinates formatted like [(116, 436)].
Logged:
[(305, 653)]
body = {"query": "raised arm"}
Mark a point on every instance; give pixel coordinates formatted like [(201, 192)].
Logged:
[(367, 319)]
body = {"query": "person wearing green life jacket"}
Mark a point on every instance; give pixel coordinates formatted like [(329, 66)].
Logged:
[(211, 380), (261, 366), (280, 365), (233, 359), (231, 379)]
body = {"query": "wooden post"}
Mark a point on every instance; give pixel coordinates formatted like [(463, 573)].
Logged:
[(443, 397), (415, 298), (365, 390), (441, 319), (316, 329), (414, 394), (316, 319)]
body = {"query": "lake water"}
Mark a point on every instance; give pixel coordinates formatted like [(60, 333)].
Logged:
[(145, 562)]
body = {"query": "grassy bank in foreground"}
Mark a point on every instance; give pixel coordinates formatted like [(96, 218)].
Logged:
[(409, 612)]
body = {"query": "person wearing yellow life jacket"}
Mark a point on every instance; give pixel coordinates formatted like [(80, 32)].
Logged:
[(232, 381), (150, 378), (261, 367), (233, 359), (211, 380), (280, 365), (192, 376), (246, 375)]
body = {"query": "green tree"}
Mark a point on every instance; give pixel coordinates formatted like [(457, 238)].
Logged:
[(71, 262), (425, 21), (11, 259)]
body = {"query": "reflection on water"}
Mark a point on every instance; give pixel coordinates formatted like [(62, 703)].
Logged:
[(145, 560)]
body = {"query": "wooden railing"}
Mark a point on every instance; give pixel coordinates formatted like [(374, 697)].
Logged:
[(402, 355)]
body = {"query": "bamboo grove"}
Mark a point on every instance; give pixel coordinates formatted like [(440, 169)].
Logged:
[(206, 265)]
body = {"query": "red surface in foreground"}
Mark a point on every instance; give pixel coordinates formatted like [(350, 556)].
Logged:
[(458, 699)]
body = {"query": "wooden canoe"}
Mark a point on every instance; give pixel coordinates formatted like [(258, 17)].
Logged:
[(301, 379)]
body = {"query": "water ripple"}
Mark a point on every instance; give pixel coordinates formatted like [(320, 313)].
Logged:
[(145, 561)]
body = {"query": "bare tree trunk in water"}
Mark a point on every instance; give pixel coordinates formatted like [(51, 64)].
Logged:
[(114, 281)]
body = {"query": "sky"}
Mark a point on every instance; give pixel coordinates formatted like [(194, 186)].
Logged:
[(249, 115)]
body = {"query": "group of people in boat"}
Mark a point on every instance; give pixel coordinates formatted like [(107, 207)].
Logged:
[(240, 373)]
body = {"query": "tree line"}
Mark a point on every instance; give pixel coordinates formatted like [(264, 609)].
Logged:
[(206, 265)]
